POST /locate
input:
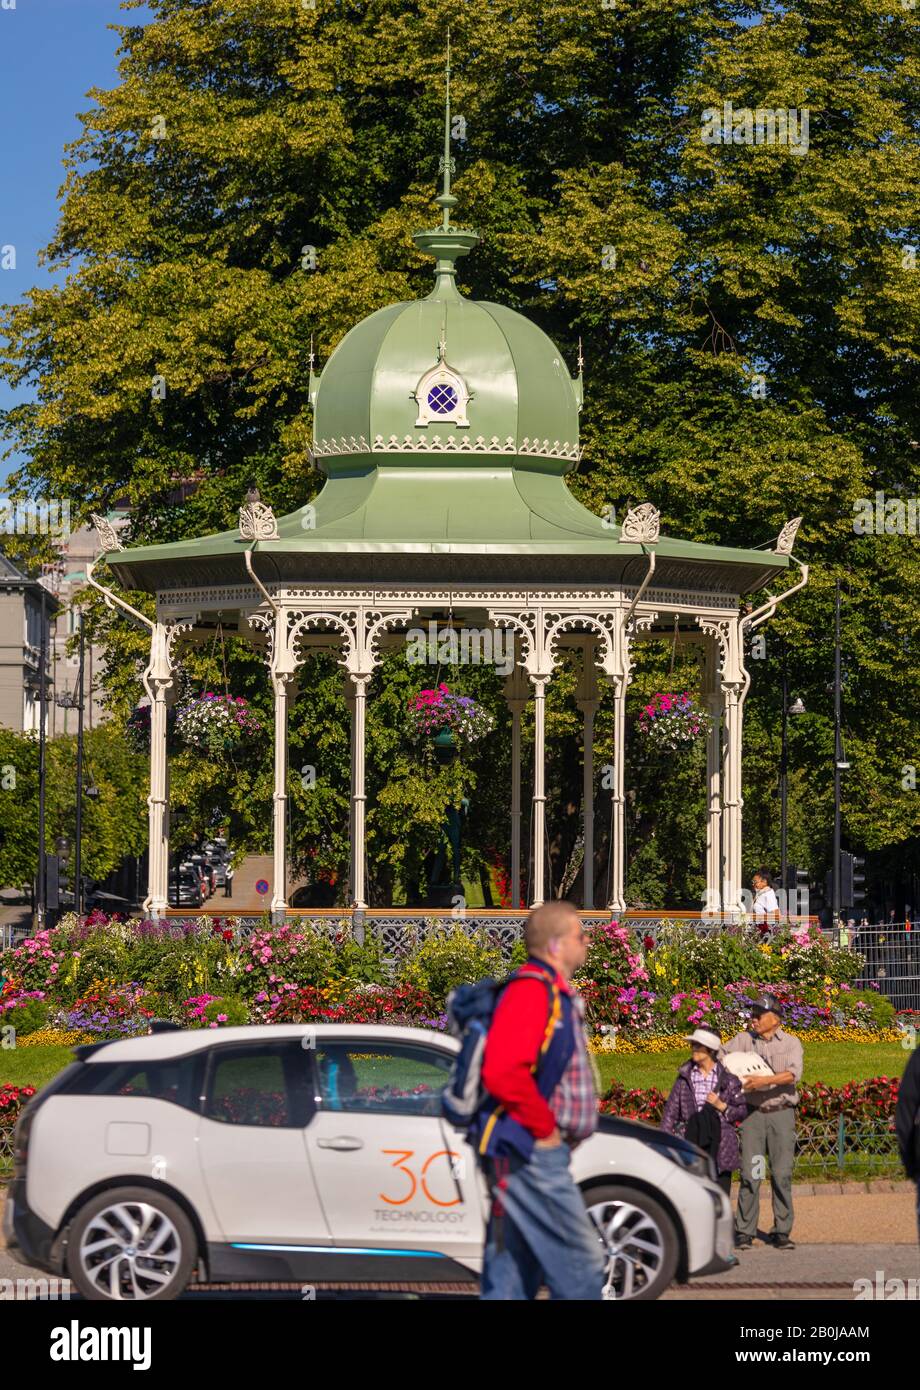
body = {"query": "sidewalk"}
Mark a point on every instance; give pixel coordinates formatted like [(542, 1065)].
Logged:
[(830, 1213)]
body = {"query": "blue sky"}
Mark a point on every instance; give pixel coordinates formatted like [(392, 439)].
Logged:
[(51, 53)]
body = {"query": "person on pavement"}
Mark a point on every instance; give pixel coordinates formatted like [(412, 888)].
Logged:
[(706, 1104), (769, 1129), (907, 1122), (542, 1101), (228, 882)]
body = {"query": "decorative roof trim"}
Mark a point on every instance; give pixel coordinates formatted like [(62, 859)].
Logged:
[(451, 444), (642, 525), (787, 537), (108, 536), (257, 522)]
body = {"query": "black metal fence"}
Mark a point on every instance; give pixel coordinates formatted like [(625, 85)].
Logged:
[(892, 955)]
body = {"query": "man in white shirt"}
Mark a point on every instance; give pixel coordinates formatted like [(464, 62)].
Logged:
[(766, 907)]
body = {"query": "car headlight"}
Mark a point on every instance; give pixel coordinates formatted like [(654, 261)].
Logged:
[(698, 1163)]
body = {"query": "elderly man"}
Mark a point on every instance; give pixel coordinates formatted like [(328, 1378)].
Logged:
[(769, 1129)]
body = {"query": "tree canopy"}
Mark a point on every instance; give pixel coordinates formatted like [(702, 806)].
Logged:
[(749, 315)]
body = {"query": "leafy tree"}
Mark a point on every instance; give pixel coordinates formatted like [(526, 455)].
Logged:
[(114, 822), (751, 346)]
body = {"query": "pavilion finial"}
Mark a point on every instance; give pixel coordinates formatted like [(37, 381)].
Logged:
[(446, 243), (579, 381), (446, 166), (314, 376)]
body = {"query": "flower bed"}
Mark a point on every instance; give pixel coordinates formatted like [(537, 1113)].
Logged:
[(104, 978), (871, 1100), (12, 1099)]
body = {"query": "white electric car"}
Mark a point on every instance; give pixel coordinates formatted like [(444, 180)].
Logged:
[(311, 1154)]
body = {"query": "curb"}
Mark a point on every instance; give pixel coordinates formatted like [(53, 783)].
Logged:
[(851, 1189)]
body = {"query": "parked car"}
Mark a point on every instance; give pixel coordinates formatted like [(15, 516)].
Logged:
[(185, 889), (196, 866), (203, 869), (295, 1153)]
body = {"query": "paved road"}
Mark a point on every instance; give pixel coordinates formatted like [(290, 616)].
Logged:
[(811, 1271)]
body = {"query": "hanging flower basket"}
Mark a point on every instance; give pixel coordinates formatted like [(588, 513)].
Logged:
[(215, 723), (673, 721), (436, 712), (137, 728)]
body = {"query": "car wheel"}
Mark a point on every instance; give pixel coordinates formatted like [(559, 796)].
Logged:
[(131, 1245), (639, 1240)]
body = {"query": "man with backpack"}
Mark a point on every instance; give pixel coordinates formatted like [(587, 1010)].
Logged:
[(540, 1102)]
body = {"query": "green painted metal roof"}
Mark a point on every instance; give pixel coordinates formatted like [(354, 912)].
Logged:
[(477, 494)]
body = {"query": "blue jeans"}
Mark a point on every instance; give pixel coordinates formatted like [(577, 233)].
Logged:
[(545, 1235)]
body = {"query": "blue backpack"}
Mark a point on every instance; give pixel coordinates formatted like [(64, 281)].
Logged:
[(470, 1010)]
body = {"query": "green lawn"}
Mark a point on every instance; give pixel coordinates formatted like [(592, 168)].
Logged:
[(32, 1066), (833, 1063)]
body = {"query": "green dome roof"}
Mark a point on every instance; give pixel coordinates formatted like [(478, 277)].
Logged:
[(446, 378)]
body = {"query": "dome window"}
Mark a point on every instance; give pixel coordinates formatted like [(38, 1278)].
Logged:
[(442, 394), (442, 399)]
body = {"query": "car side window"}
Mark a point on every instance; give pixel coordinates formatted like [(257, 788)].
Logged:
[(371, 1078), (267, 1085), (173, 1079)]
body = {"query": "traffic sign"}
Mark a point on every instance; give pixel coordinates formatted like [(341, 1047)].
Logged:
[(262, 886)]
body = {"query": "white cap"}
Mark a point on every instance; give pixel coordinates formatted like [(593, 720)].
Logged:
[(705, 1038)]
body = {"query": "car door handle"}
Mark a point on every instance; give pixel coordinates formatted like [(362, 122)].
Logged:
[(342, 1142)]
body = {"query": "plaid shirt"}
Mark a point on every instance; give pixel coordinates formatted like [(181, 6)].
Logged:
[(574, 1101), (702, 1084)]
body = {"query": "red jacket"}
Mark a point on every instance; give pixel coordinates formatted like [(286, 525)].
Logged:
[(512, 1048)]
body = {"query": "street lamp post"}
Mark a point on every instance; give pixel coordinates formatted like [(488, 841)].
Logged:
[(42, 719), (840, 763), (795, 708), (67, 701)]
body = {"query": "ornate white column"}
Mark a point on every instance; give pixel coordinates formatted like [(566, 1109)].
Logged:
[(516, 698), (641, 528), (361, 625), (618, 670), (727, 632), (158, 683), (282, 666), (279, 798), (713, 702), (350, 702), (358, 794), (534, 625), (587, 701), (538, 888)]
